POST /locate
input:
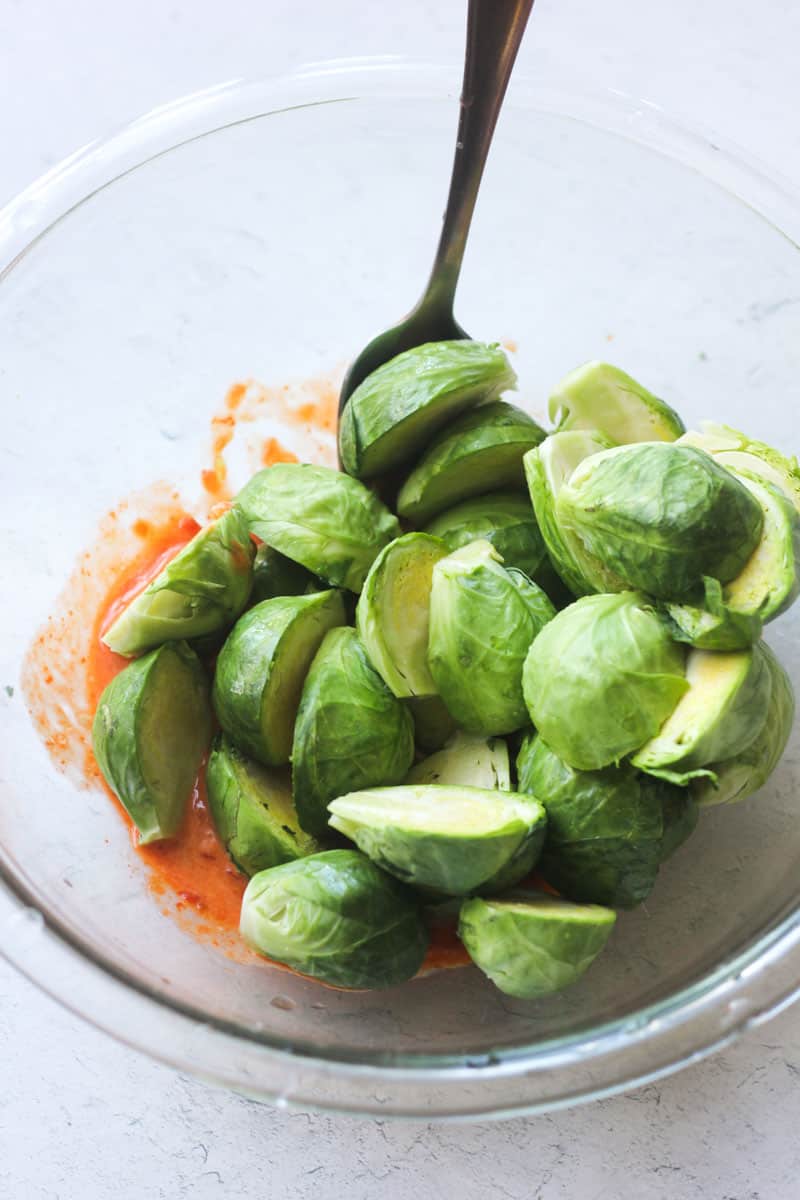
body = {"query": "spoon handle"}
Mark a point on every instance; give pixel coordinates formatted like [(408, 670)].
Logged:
[(494, 33)]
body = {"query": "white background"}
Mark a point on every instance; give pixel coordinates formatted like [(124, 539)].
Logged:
[(82, 1118)]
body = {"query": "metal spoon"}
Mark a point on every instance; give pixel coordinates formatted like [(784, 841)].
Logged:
[(494, 33)]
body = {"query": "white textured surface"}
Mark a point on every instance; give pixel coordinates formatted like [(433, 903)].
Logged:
[(83, 1117)]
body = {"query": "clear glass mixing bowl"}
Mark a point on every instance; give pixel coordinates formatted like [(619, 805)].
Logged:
[(269, 230)]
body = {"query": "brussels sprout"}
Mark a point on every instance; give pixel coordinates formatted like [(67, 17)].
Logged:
[(732, 617), (709, 624), (261, 669), (253, 811), (547, 470), (744, 773), (599, 396), (601, 678), (533, 944), (680, 814), (605, 829), (721, 713), (433, 724), (449, 839), (738, 452), (350, 733), (391, 416), (392, 613), (202, 590), (507, 520), (337, 917), (661, 516), (150, 731), (481, 449), (332, 525), (482, 621), (276, 575), (468, 760)]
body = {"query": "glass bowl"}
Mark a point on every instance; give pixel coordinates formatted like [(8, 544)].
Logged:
[(266, 231)]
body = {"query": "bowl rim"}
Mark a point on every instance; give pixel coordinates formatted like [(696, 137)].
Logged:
[(706, 1014)]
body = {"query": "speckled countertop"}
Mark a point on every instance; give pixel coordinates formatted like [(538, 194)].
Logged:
[(81, 1116)]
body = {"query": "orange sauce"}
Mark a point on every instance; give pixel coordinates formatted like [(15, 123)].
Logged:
[(273, 452), (445, 949), (196, 868), (160, 544), (289, 423)]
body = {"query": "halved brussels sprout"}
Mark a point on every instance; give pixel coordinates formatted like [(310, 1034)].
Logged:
[(467, 760), (680, 812), (337, 917), (607, 830), (253, 811), (392, 415), (482, 621), (732, 617), (547, 469), (507, 520), (262, 667), (329, 523), (744, 773), (709, 624), (721, 713), (661, 516), (276, 575), (532, 945), (392, 613), (448, 839), (351, 732), (150, 731), (599, 396), (601, 678), (738, 452), (482, 448), (433, 724), (201, 591)]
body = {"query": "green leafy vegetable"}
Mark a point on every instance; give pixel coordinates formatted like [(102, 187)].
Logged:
[(276, 575), (601, 678), (748, 770), (467, 760), (337, 917), (392, 415), (253, 811), (741, 453), (392, 613), (150, 731), (661, 516), (507, 520), (547, 469), (533, 945), (482, 448), (607, 830), (201, 591), (433, 724), (600, 397), (262, 667), (732, 617), (332, 525), (351, 732), (482, 621), (721, 713), (449, 839)]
